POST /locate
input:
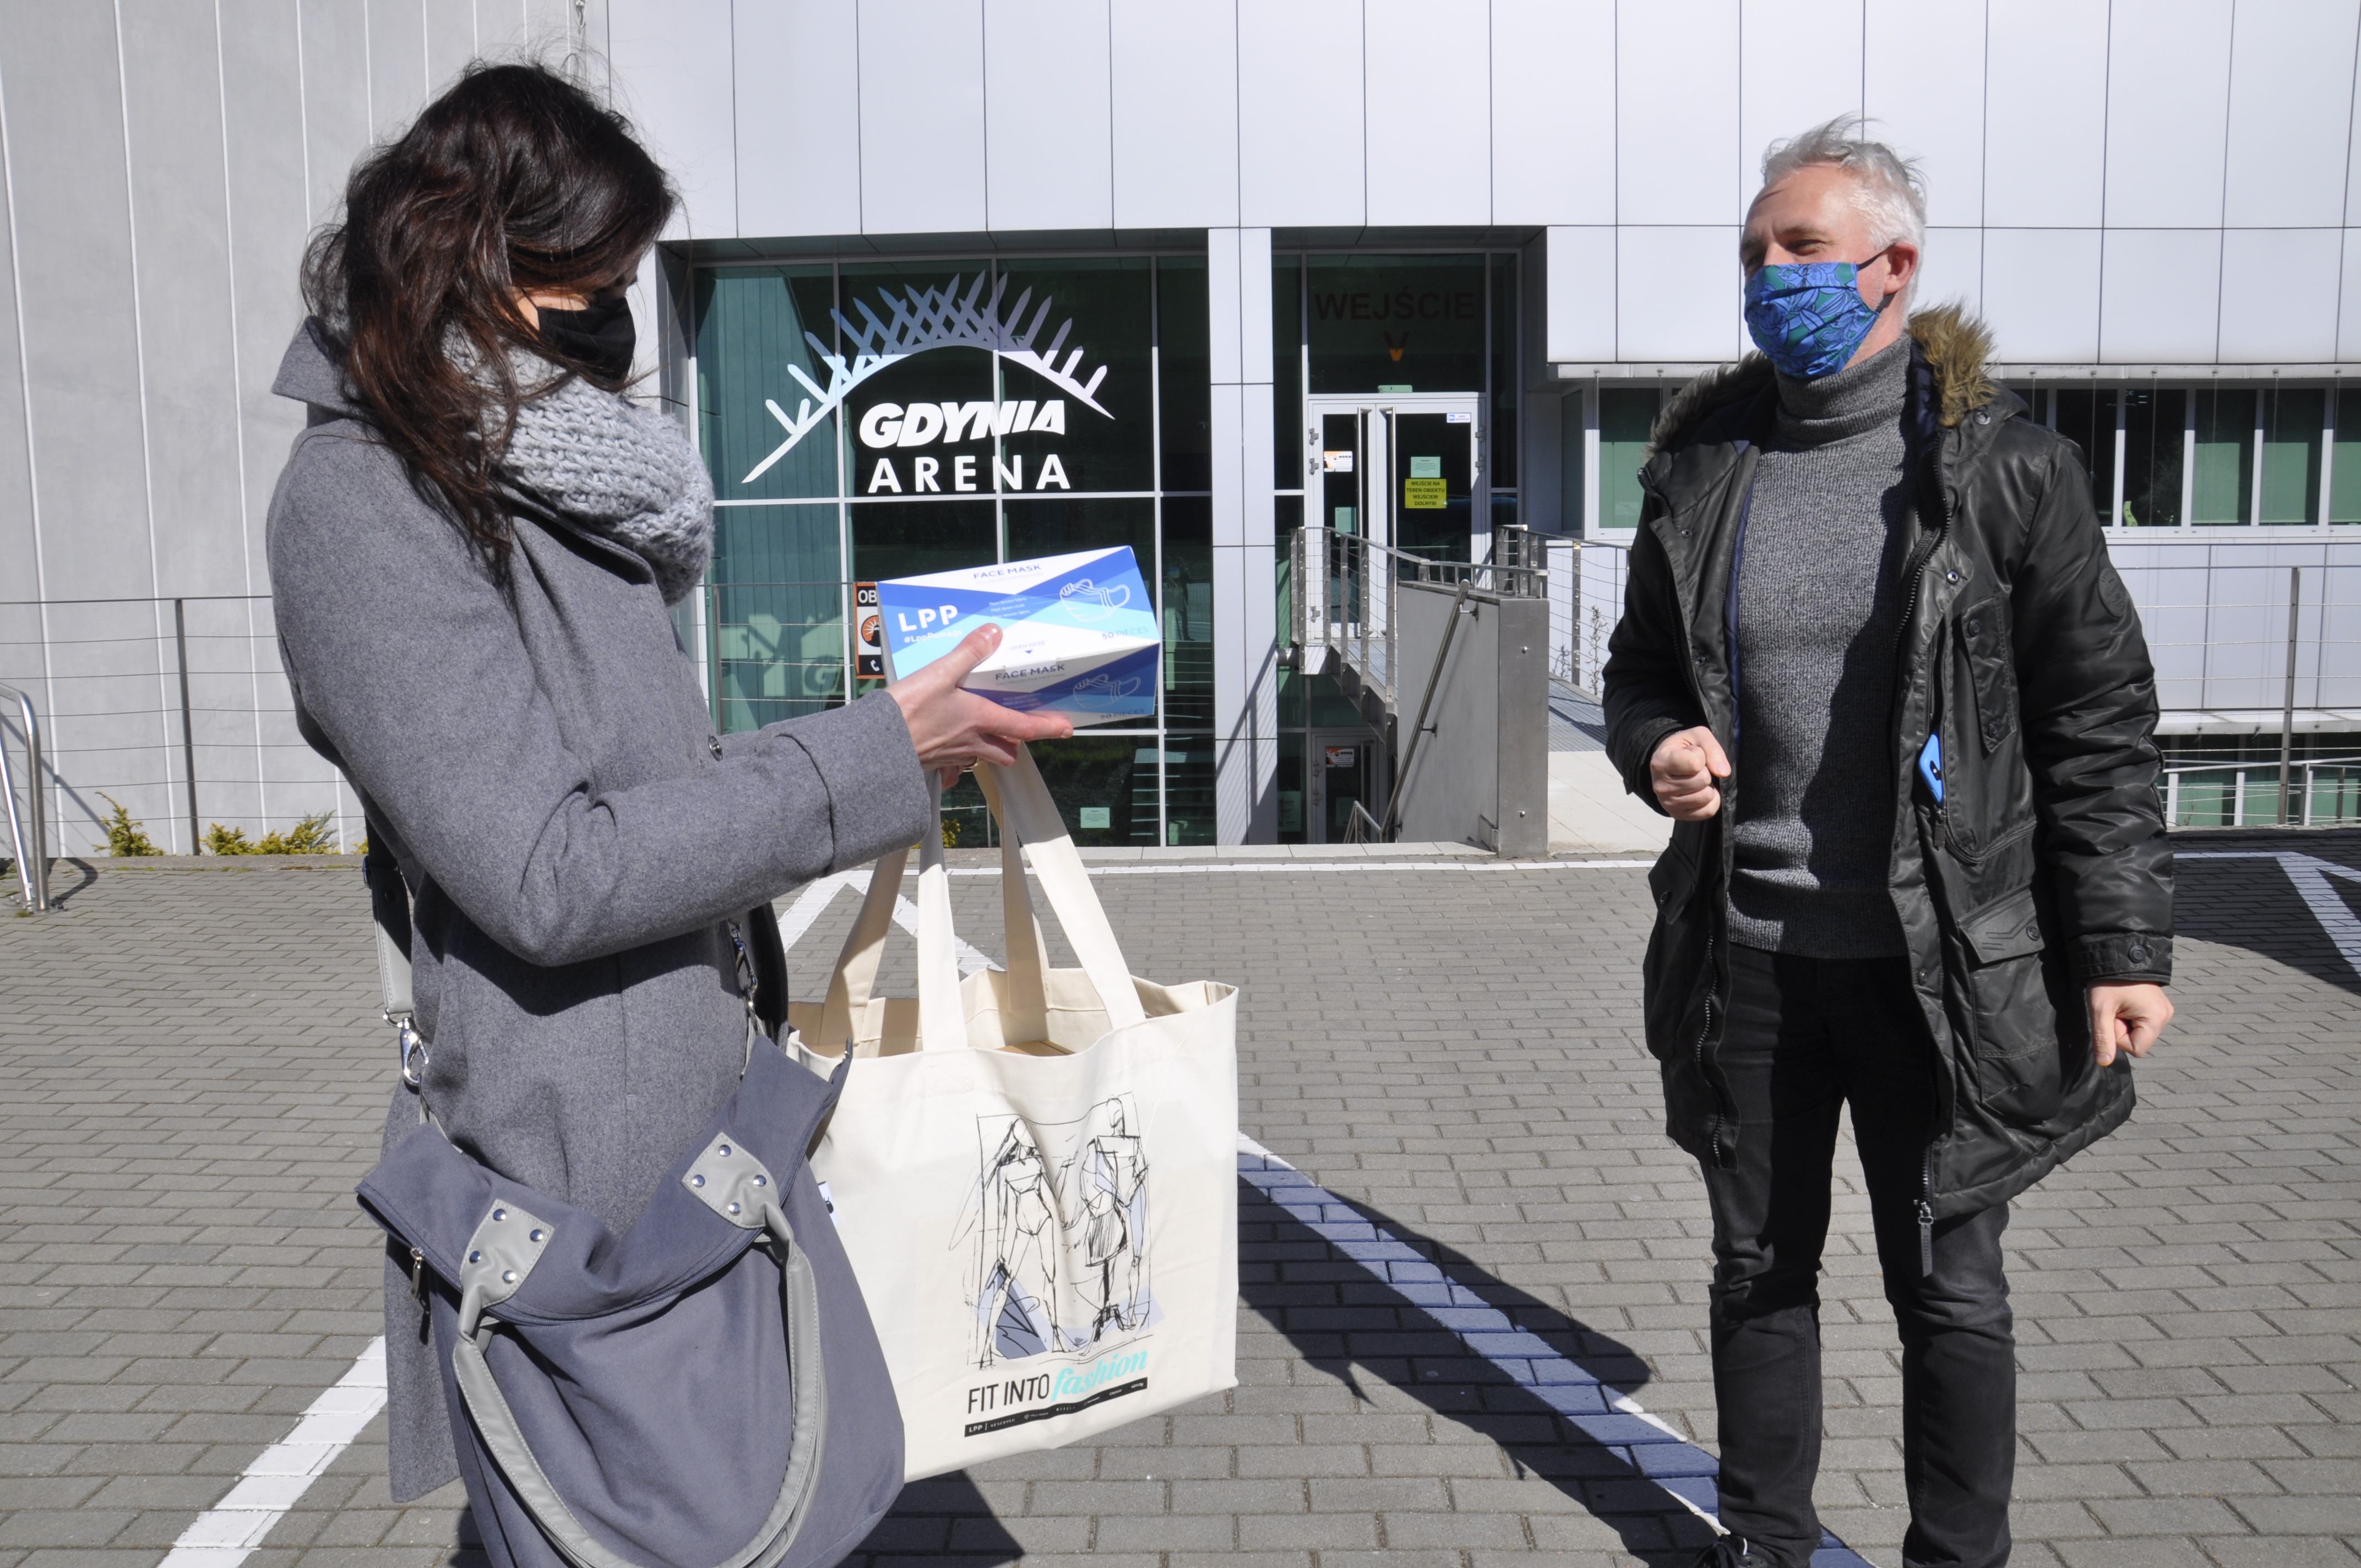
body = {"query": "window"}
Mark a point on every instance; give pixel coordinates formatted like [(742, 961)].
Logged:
[(951, 454), (2213, 456), (2153, 422), (1625, 417)]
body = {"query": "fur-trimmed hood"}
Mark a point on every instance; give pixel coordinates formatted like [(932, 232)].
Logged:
[(1955, 346)]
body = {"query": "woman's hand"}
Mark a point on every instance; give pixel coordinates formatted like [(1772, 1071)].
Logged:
[(954, 729)]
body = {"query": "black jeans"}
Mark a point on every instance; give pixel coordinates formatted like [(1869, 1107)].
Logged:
[(1803, 1035)]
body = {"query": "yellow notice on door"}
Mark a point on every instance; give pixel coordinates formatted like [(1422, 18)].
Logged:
[(1424, 494)]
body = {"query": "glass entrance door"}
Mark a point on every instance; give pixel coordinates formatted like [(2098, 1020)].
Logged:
[(1405, 470), (1342, 767)]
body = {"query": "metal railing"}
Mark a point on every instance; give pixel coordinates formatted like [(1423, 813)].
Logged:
[(28, 835), (2321, 792), (176, 709), (1343, 588)]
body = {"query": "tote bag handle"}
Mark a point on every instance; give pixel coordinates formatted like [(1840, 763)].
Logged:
[(1028, 815), (1028, 820)]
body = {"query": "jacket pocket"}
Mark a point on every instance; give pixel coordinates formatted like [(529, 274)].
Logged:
[(2012, 1022), (1991, 669), (1673, 876)]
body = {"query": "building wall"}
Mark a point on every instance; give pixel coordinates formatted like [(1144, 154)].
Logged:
[(2131, 184)]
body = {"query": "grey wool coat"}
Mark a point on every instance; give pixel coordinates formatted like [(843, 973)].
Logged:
[(538, 756)]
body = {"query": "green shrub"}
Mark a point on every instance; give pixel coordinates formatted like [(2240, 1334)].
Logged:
[(312, 836), (125, 834)]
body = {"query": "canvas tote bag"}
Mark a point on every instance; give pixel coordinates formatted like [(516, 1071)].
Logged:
[(1034, 1170)]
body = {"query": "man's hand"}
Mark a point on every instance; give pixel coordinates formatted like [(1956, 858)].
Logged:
[(2127, 1018), (1684, 771), (954, 729)]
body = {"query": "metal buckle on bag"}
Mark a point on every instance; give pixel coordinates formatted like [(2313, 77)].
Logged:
[(414, 1058)]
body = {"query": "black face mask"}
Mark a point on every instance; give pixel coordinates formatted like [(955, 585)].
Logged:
[(600, 335)]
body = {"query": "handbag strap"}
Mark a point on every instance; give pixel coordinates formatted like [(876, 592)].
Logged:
[(390, 919)]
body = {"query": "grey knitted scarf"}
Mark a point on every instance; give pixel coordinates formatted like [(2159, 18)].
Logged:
[(619, 470)]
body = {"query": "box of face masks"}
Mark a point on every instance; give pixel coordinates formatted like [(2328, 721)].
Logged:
[(1078, 632)]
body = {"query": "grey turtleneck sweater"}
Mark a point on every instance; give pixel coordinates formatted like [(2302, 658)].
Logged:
[(1817, 599)]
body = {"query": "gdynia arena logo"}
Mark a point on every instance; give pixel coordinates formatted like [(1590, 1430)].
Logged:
[(891, 435)]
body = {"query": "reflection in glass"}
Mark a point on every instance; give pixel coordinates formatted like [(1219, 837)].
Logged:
[(2087, 418), (1095, 522), (2345, 487), (777, 643), (1189, 789), (1187, 370), (751, 327), (1502, 437), (2293, 418), (1433, 483), (1287, 372), (1105, 786), (2155, 422), (909, 540), (1625, 414), (1106, 300), (1397, 322), (1188, 613), (2224, 487), (1570, 431)]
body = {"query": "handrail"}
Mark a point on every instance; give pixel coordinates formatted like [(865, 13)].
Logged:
[(1343, 593), (26, 834)]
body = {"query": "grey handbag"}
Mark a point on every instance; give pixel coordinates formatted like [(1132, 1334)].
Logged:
[(704, 1391)]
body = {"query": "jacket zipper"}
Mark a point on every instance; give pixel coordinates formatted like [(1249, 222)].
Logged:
[(1713, 976), (1927, 1214), (1918, 573), (418, 1273)]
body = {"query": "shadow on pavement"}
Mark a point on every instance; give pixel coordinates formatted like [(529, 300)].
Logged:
[(2250, 904), (942, 1516), (1341, 1319)]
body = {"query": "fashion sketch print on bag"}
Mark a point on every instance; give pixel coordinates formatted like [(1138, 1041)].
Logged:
[(1060, 1244)]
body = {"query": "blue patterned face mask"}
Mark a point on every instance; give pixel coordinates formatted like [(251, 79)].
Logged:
[(1807, 316)]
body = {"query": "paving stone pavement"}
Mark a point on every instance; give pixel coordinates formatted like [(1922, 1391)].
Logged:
[(192, 1076)]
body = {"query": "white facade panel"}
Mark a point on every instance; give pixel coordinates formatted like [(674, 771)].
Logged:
[(20, 549), (2168, 112), (451, 41), (1676, 277), (1175, 113), (2042, 293), (181, 211), (263, 145), (71, 211), (1552, 111), (2290, 111), (2045, 114), (1581, 314), (1048, 126), (1936, 115), (397, 63), (1676, 112), (2293, 320), (1430, 117), (2160, 296), (333, 37), (1301, 141), (2349, 296), (1802, 65), (922, 116), (1951, 269), (796, 76), (679, 92)]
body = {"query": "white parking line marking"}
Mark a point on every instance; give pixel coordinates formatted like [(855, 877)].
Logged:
[(225, 1533)]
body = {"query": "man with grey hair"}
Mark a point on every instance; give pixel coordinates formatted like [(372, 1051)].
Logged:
[(1875, 663)]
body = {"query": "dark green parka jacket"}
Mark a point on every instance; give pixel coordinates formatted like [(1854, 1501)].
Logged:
[(2045, 866)]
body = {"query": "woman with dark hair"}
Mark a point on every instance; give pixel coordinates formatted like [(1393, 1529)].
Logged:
[(474, 549)]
